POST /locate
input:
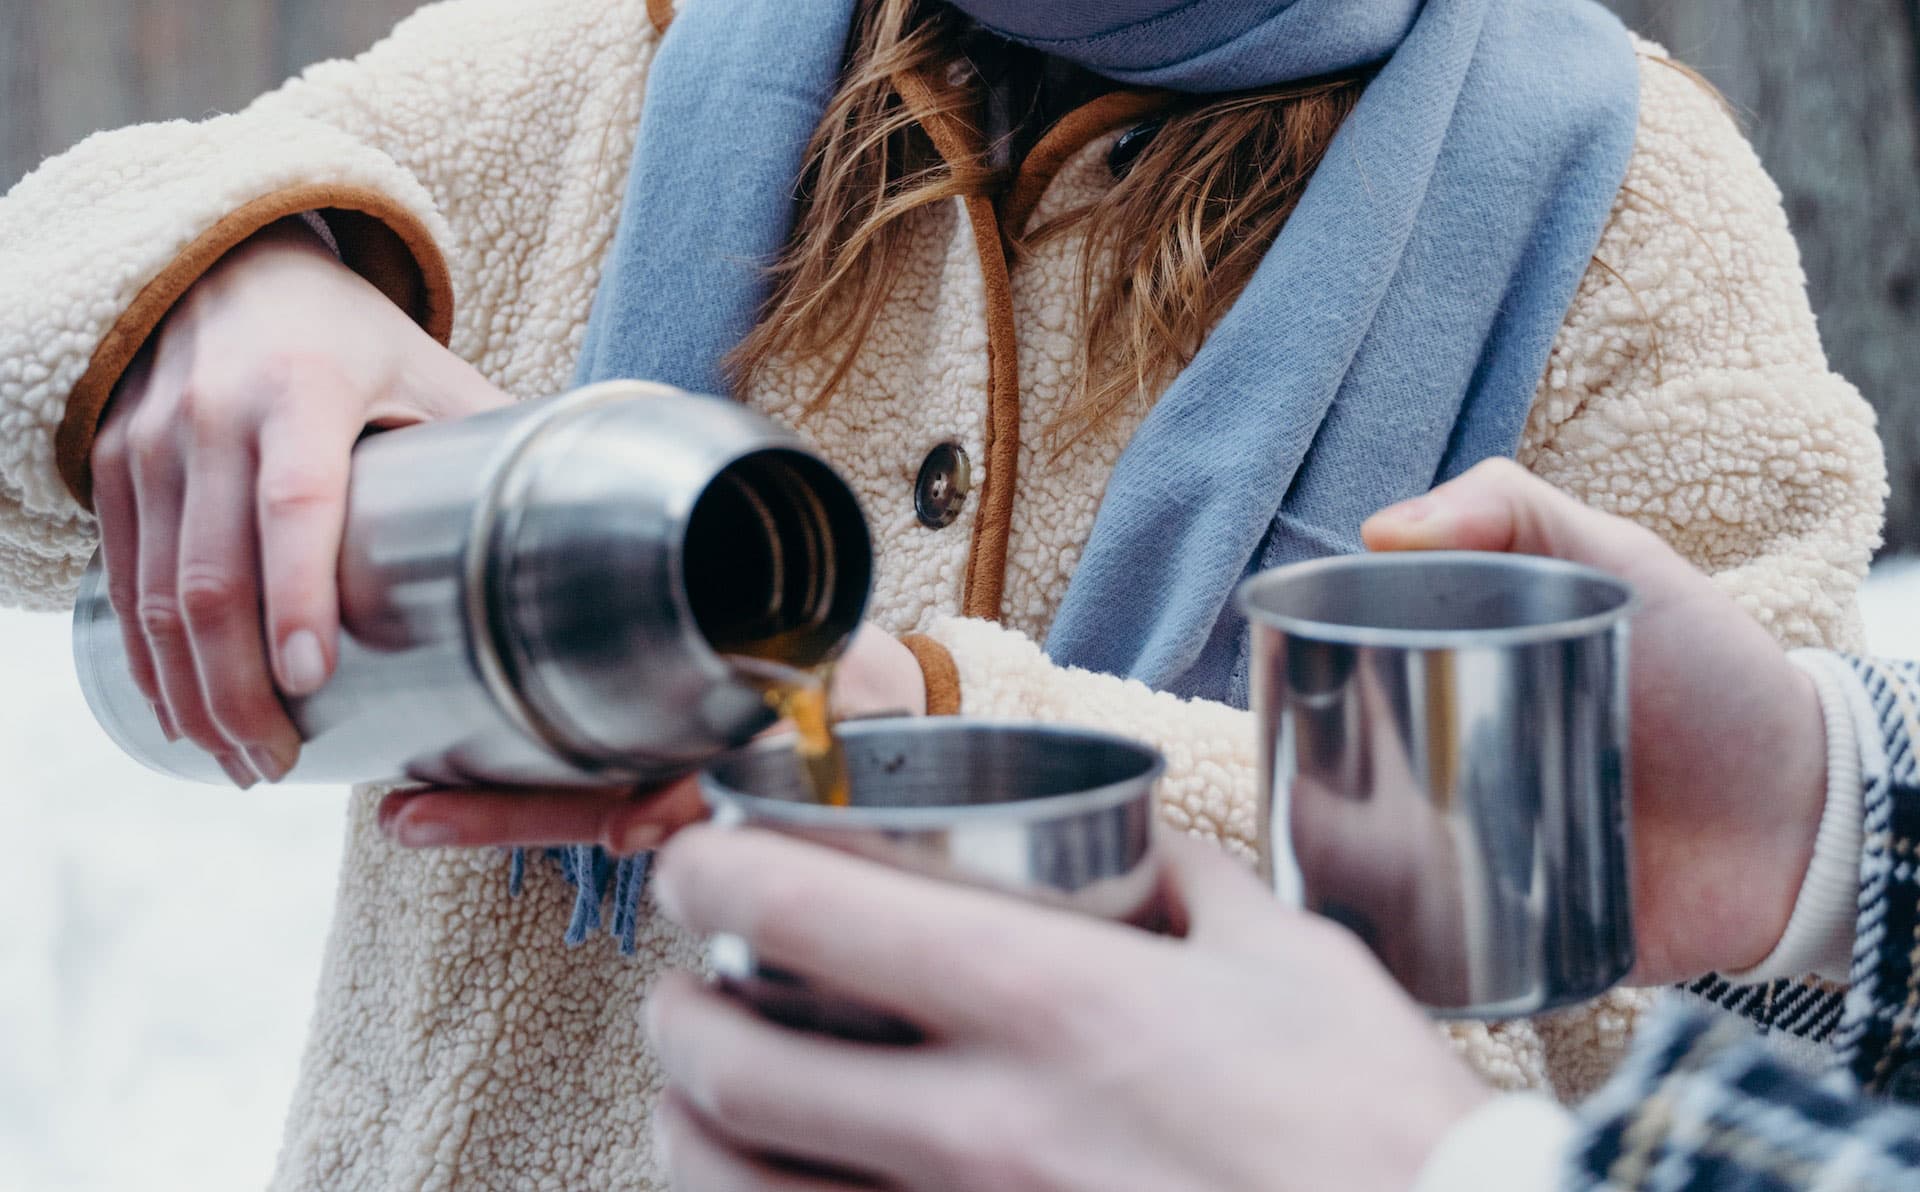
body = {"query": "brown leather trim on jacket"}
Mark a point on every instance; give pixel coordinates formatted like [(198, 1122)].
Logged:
[(379, 239), (986, 572), (941, 674), (1069, 135), (660, 12)]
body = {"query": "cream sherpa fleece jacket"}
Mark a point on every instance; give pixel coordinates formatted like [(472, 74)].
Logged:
[(472, 165)]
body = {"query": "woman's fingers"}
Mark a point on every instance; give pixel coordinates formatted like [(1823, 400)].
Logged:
[(1212, 897), (219, 596), (952, 960), (782, 1092), (306, 451), (475, 817), (700, 1159), (159, 486), (613, 817), (648, 821), (278, 356), (118, 513)]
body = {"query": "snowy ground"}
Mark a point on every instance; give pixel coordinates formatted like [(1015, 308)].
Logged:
[(1891, 604), (159, 946), (159, 943)]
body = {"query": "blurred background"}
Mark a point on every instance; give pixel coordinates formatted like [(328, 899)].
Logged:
[(1830, 93), (159, 944)]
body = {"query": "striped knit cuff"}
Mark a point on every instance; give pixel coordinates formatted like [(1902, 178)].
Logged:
[(1819, 935)]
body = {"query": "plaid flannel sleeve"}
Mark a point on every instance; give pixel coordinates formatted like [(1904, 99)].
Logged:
[(1701, 1107), (1876, 1036)]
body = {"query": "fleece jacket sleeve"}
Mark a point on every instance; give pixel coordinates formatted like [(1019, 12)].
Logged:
[(1689, 390)]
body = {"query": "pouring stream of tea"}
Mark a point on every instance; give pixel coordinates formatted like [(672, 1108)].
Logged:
[(800, 696)]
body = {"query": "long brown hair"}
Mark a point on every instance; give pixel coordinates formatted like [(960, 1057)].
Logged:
[(1166, 250)]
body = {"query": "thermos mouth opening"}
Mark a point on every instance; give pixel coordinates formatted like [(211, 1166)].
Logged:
[(777, 562), (1439, 600)]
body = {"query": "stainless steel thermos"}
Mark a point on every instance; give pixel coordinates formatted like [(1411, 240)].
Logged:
[(548, 593)]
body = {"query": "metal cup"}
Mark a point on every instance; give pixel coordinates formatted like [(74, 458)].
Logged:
[(1060, 816), (1443, 743)]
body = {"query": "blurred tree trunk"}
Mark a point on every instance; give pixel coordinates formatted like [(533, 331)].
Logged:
[(69, 67), (19, 108), (1832, 96)]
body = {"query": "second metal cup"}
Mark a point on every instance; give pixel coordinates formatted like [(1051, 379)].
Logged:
[(1443, 747)]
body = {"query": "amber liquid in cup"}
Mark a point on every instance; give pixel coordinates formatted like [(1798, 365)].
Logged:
[(821, 754), (1059, 816), (801, 697)]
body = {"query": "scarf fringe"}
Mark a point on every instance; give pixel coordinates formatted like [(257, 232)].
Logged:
[(594, 874)]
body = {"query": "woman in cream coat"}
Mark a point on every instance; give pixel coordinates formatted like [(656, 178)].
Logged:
[(468, 174)]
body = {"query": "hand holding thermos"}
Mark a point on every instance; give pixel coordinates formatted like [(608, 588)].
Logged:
[(220, 480), (537, 595)]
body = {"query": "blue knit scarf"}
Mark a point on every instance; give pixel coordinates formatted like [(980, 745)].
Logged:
[(1392, 337)]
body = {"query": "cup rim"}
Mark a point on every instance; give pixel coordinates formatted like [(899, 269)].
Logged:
[(1625, 602), (792, 813)]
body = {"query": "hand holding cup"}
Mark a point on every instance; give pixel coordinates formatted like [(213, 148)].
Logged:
[(1728, 743)]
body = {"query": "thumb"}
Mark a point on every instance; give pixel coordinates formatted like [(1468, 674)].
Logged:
[(1500, 506), (1209, 895), (467, 390), (436, 384)]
